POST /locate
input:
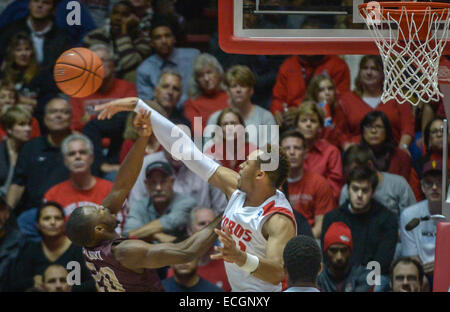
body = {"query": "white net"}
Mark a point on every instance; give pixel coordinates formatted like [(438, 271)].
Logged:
[(410, 45)]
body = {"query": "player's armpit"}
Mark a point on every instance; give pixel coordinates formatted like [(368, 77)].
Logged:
[(279, 229), (225, 180)]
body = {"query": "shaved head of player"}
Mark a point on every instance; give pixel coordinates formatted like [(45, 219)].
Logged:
[(121, 264), (258, 220)]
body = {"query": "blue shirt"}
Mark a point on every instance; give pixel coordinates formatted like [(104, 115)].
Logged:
[(170, 285), (181, 60)]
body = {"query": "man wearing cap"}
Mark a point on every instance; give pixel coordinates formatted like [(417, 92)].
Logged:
[(165, 215), (338, 274), (419, 241)]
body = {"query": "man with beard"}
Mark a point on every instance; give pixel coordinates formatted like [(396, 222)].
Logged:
[(339, 275), (165, 214)]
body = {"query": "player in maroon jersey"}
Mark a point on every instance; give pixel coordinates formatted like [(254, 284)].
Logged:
[(121, 264)]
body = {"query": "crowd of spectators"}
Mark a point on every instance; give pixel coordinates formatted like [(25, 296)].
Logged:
[(361, 169)]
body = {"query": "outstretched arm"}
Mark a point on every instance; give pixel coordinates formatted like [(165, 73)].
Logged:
[(130, 168), (137, 254), (178, 144)]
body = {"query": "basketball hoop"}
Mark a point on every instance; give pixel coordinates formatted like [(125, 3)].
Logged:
[(410, 37)]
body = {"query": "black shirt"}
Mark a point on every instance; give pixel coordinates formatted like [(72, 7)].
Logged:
[(32, 261), (374, 233), (39, 167)]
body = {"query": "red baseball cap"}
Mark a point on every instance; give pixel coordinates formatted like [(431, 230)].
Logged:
[(338, 233)]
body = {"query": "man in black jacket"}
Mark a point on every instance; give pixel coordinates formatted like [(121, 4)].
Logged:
[(373, 227)]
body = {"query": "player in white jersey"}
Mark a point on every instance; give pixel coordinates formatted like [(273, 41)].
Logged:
[(258, 220)]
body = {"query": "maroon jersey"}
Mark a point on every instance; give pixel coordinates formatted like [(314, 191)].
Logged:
[(110, 275)]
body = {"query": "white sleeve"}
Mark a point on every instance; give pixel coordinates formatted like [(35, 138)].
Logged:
[(179, 144), (408, 243)]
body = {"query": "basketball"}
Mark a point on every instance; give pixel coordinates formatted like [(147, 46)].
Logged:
[(78, 72)]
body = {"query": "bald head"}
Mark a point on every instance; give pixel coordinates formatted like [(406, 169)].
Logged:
[(80, 226)]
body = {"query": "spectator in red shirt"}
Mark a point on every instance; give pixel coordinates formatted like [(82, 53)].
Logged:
[(322, 90), (377, 135), (367, 97), (309, 193), (82, 188), (211, 270), (231, 147), (295, 74), (112, 88), (206, 94), (323, 158)]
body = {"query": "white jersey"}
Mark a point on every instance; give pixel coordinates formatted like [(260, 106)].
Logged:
[(246, 225)]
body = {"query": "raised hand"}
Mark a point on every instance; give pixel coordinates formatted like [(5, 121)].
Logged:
[(142, 124), (109, 109), (229, 252)]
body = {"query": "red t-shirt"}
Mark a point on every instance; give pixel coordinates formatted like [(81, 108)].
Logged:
[(294, 75), (70, 198), (204, 106), (325, 159), (400, 115), (85, 105), (214, 272), (311, 196)]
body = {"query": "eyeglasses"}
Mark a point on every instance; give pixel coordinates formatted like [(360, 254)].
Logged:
[(376, 127), (430, 183)]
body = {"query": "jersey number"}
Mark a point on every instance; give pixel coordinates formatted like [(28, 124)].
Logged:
[(106, 277), (242, 246)]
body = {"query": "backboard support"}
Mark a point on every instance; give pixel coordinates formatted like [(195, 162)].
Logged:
[(294, 27)]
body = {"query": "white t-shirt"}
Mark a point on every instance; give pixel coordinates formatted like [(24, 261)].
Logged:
[(246, 224), (372, 101), (420, 241)]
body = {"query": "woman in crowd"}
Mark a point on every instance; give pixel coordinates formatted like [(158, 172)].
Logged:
[(367, 97), (21, 69), (55, 248), (8, 98), (17, 123), (433, 141), (322, 90), (206, 94), (228, 148), (377, 135), (323, 158)]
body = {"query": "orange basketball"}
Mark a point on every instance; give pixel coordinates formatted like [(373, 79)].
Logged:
[(78, 72)]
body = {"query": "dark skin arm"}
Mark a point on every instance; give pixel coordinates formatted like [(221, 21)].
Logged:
[(131, 166), (137, 254)]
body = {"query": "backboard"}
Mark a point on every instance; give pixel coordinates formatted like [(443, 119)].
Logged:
[(295, 27)]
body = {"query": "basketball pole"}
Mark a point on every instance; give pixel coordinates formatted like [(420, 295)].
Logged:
[(445, 190)]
